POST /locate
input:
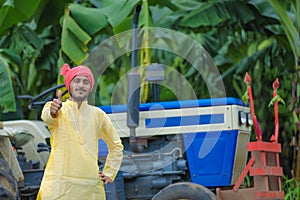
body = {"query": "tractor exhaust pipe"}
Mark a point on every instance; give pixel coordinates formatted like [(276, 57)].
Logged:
[(133, 101)]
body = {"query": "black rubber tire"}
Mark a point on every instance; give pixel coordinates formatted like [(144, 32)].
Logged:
[(8, 184), (186, 191)]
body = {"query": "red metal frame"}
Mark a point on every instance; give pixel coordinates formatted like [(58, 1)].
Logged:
[(264, 164)]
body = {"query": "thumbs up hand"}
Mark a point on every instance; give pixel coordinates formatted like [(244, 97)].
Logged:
[(56, 104)]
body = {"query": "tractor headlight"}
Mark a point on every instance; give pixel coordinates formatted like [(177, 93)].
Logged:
[(249, 119), (242, 117)]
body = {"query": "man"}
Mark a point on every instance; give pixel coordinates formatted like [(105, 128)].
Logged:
[(72, 171)]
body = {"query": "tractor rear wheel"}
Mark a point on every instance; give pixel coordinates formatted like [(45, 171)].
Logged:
[(8, 184), (186, 191)]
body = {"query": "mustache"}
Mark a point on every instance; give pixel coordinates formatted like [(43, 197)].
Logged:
[(80, 90)]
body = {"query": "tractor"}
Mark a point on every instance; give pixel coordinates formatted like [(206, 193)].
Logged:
[(181, 149)]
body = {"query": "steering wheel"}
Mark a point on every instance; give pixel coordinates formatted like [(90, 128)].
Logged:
[(41, 99)]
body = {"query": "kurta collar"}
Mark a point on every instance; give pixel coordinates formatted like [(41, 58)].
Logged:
[(73, 103)]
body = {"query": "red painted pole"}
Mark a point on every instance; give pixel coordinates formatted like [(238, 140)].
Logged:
[(274, 137), (257, 128)]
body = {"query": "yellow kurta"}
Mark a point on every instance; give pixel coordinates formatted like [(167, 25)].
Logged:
[(72, 169)]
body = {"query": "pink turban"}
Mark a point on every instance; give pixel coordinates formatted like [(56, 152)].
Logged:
[(70, 73)]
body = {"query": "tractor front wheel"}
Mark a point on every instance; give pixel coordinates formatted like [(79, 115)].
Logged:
[(185, 190), (8, 184)]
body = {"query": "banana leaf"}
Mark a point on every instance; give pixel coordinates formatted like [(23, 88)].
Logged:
[(7, 100), (13, 12)]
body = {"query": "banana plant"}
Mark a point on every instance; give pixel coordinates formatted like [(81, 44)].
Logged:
[(7, 100), (11, 13), (292, 29), (83, 24), (28, 49)]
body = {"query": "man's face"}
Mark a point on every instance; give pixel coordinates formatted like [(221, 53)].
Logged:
[(80, 88)]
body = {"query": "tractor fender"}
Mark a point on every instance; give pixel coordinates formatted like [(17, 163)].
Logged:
[(8, 155)]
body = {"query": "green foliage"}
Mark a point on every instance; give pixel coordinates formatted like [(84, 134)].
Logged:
[(53, 8), (74, 40), (13, 12), (118, 11), (213, 13), (81, 23), (291, 29), (7, 102), (29, 51), (291, 188), (31, 62), (253, 43)]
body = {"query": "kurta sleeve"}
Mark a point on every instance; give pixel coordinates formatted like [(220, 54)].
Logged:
[(46, 116), (115, 148)]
